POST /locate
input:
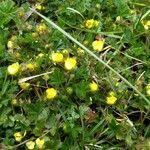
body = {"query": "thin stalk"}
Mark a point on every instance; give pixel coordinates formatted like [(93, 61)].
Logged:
[(91, 53)]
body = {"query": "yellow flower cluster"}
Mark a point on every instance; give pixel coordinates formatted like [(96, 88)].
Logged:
[(98, 45), (93, 87), (13, 69), (69, 63), (111, 98), (148, 89), (39, 143), (51, 93), (91, 23)]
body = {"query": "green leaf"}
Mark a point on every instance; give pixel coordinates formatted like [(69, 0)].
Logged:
[(57, 77), (122, 7), (81, 89), (7, 11)]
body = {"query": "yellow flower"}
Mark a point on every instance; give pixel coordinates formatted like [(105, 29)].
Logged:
[(110, 100), (10, 44), (89, 23), (13, 69), (70, 63), (57, 57), (41, 28), (93, 86), (18, 136), (40, 143), (98, 45), (25, 85), (30, 145), (51, 93), (30, 66)]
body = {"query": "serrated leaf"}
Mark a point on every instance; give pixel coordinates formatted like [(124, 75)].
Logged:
[(57, 77)]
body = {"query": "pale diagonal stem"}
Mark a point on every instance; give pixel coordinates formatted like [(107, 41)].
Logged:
[(90, 52)]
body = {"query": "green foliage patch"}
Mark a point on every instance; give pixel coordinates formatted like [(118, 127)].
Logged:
[(54, 95)]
